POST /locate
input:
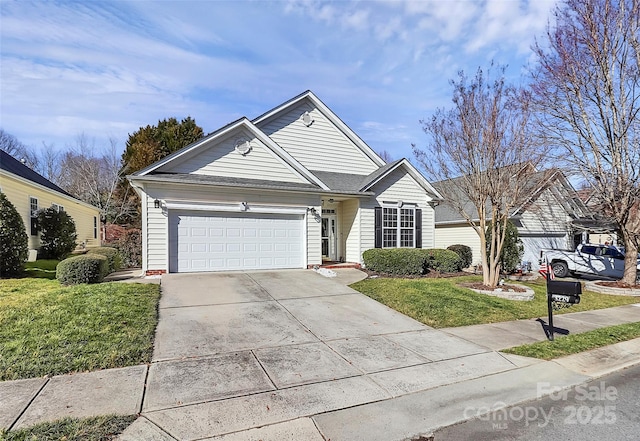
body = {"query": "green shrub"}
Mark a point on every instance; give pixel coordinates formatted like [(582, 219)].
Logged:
[(512, 249), (58, 236), (113, 257), (129, 244), (411, 261), (464, 253), (86, 268), (401, 261), (14, 242), (445, 261)]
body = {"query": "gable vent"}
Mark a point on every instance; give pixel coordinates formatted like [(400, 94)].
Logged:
[(307, 119), (242, 146)]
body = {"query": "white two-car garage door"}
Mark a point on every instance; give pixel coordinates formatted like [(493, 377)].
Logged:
[(204, 241)]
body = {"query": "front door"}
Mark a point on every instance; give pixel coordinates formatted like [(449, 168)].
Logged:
[(329, 235)]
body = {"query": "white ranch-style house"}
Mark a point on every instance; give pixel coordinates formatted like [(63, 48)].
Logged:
[(293, 188)]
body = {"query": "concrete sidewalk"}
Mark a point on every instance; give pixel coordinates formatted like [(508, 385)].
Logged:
[(387, 386)]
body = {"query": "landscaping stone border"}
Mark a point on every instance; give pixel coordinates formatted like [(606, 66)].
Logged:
[(592, 285), (509, 295)]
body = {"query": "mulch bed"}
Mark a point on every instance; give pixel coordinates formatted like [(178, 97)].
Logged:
[(481, 287)]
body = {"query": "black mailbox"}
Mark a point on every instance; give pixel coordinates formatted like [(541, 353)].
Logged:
[(566, 292)]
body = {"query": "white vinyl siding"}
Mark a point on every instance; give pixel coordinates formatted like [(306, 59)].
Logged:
[(350, 227), (314, 238), (157, 223), (545, 215), (459, 234), (320, 146), (157, 237), (398, 186), (221, 159)]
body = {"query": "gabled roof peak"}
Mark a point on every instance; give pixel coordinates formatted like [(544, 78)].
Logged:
[(329, 114)]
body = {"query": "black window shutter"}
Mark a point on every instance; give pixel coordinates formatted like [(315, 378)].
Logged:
[(378, 227), (418, 228)]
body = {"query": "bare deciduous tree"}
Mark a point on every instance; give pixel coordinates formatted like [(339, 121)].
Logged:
[(482, 156), (386, 156), (93, 175), (586, 85), (11, 145), (48, 163)]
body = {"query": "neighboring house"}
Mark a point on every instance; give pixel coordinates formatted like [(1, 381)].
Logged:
[(29, 192), (292, 188), (548, 219), (601, 229)]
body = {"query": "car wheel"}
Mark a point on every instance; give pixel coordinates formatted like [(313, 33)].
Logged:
[(560, 269)]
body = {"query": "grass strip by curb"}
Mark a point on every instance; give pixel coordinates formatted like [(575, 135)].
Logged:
[(443, 303), (100, 428), (573, 344)]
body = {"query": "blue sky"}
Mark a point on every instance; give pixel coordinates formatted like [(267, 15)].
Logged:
[(107, 68)]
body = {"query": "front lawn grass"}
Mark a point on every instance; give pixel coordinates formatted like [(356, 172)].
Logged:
[(49, 329), (441, 303), (573, 344), (102, 428), (41, 269)]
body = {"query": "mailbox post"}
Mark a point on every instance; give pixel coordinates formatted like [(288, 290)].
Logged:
[(563, 292)]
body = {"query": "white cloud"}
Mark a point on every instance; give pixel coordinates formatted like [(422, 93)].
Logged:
[(111, 67)]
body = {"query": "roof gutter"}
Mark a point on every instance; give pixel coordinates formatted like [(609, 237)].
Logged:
[(137, 180)]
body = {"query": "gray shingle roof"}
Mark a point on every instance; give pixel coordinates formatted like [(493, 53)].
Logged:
[(12, 165), (379, 172), (350, 182), (187, 178), (344, 183), (341, 181)]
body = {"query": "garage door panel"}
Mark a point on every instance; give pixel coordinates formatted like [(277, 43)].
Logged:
[(206, 242), (216, 248), (533, 245)]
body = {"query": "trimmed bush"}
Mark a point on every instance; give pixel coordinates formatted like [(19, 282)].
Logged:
[(86, 268), (445, 261), (401, 261), (58, 233), (464, 253), (113, 257), (14, 242)]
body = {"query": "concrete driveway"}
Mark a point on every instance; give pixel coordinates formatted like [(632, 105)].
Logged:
[(266, 351)]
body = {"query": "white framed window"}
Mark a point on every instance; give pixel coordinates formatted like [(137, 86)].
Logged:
[(57, 207), (33, 209), (399, 227)]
